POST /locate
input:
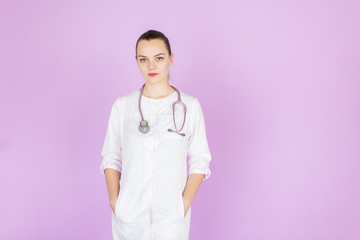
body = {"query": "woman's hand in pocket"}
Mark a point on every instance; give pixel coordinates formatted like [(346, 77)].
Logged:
[(112, 203), (187, 205)]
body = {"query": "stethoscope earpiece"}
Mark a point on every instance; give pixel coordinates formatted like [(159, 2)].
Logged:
[(182, 134)]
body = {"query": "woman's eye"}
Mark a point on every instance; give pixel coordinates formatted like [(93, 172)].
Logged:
[(161, 58), (141, 60)]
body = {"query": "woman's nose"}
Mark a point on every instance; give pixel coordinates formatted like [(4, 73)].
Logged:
[(151, 64)]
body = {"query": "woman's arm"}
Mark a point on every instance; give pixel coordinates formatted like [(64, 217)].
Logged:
[(198, 148), (192, 186), (199, 153), (111, 165), (112, 177)]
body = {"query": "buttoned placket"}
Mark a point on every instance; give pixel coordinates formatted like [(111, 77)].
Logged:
[(155, 110)]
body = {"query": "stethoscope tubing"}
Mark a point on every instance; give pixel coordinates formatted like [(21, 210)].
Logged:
[(144, 126)]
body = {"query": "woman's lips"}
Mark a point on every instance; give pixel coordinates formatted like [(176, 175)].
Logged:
[(152, 74)]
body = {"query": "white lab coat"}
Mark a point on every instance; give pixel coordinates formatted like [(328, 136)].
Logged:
[(153, 165)]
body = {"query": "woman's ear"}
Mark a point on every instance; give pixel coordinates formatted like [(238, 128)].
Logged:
[(171, 58)]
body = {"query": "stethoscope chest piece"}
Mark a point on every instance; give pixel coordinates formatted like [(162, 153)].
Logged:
[(144, 126)]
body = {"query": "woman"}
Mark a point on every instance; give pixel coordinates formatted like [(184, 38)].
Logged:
[(145, 151)]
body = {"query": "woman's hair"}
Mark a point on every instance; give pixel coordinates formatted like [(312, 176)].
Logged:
[(153, 34)]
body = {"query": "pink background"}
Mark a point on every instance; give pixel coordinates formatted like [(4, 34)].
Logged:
[(278, 82)]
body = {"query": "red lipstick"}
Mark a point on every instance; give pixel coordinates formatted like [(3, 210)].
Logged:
[(152, 74)]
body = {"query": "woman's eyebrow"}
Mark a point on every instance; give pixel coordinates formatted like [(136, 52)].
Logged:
[(154, 55)]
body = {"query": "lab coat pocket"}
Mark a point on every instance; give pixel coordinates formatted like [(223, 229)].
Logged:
[(169, 123), (117, 204), (181, 205), (173, 136)]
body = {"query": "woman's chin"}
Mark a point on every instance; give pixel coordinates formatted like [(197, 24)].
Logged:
[(154, 80)]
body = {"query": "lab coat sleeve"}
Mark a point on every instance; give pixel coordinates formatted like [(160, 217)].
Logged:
[(198, 149), (111, 152)]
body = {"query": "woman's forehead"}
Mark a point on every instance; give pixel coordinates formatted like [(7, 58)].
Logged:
[(151, 48)]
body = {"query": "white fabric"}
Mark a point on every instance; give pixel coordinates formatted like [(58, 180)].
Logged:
[(153, 165)]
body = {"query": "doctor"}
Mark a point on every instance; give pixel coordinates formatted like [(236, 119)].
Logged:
[(144, 156)]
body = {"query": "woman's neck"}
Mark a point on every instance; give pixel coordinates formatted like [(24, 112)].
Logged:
[(157, 90)]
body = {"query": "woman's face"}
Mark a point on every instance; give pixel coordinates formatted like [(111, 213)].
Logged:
[(153, 57)]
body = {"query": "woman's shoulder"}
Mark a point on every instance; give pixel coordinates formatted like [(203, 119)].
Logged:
[(193, 106), (133, 96), (187, 99), (127, 98), (123, 103)]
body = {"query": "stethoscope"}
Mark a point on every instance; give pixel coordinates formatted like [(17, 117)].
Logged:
[(144, 126)]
